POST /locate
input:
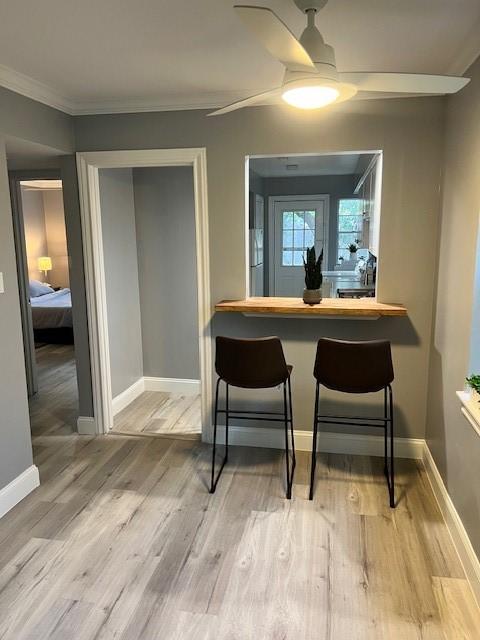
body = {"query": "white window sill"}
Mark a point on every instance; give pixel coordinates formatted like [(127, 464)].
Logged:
[(470, 409)]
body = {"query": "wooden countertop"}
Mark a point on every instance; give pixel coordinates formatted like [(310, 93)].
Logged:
[(360, 308)]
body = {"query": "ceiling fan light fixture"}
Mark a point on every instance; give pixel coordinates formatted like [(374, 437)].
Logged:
[(310, 96)]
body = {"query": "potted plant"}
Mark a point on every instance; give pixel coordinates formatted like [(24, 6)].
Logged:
[(474, 383), (312, 294), (353, 250)]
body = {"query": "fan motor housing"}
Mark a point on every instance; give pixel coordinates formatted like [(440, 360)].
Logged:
[(310, 5)]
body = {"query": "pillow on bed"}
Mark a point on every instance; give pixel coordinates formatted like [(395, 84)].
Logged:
[(39, 289)]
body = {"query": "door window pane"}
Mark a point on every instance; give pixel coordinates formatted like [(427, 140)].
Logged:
[(310, 220), (298, 258), (299, 239), (287, 258), (287, 239), (299, 220), (287, 220)]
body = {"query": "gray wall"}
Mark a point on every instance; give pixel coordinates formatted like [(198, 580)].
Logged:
[(121, 277), (454, 444), (409, 131), (165, 223), (15, 444), (35, 230)]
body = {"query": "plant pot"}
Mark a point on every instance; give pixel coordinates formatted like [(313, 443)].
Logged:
[(312, 296)]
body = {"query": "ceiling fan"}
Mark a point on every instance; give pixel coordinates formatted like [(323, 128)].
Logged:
[(311, 79)]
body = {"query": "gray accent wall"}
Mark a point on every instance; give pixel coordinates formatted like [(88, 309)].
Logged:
[(15, 443), (165, 227), (121, 277), (454, 444), (410, 133)]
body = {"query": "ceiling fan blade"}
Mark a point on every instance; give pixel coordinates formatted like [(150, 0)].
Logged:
[(246, 102), (404, 82), (276, 37)]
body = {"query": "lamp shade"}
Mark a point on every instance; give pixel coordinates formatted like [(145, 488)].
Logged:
[(45, 263)]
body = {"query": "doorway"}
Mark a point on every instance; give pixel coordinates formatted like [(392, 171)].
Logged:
[(103, 323), (298, 222), (45, 300)]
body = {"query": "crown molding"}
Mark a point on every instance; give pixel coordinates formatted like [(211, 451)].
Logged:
[(166, 103), (30, 88)]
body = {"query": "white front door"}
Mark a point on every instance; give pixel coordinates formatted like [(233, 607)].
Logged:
[(298, 222)]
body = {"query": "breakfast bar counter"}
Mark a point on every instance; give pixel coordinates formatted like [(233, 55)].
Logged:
[(361, 308)]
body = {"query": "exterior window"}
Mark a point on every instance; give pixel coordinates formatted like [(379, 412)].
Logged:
[(298, 233), (350, 224)]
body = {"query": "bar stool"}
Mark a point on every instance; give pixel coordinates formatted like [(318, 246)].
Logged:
[(356, 367), (256, 363)]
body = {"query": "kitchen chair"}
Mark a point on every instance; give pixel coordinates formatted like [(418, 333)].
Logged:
[(356, 367), (257, 363)]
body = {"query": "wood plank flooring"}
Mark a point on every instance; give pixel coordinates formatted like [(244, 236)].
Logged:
[(123, 541), (157, 413)]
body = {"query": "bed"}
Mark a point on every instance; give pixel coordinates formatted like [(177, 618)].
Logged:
[(52, 316)]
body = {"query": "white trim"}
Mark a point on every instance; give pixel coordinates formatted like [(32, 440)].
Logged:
[(328, 442), (18, 489), (30, 88), (86, 426), (323, 197), (127, 396), (173, 385), (88, 166), (461, 541), (470, 409)]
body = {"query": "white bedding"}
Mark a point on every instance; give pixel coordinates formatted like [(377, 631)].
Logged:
[(53, 310)]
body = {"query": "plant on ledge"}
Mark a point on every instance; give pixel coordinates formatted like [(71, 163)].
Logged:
[(313, 276), (474, 382), (352, 248)]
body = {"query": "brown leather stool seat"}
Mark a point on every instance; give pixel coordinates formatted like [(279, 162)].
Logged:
[(356, 367), (254, 363)]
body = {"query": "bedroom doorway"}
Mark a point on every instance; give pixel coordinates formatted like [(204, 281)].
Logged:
[(45, 299)]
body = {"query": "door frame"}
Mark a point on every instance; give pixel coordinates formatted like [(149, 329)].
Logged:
[(324, 197), (88, 165)]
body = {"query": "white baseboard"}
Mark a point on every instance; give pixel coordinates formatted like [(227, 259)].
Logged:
[(328, 442), (18, 489), (86, 426), (172, 385), (129, 395), (461, 541)]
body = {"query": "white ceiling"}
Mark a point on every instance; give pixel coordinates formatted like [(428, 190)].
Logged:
[(116, 55), (294, 166)]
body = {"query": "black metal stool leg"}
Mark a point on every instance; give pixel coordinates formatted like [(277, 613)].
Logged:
[(391, 484), (314, 445), (287, 454), (291, 424), (214, 480), (385, 426)]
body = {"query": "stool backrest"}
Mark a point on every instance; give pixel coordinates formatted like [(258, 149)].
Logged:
[(354, 367), (253, 363)]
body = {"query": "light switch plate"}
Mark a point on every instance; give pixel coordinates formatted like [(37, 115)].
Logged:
[(2, 288)]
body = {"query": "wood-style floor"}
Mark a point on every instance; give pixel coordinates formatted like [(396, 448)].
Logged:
[(122, 540), (158, 413)]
